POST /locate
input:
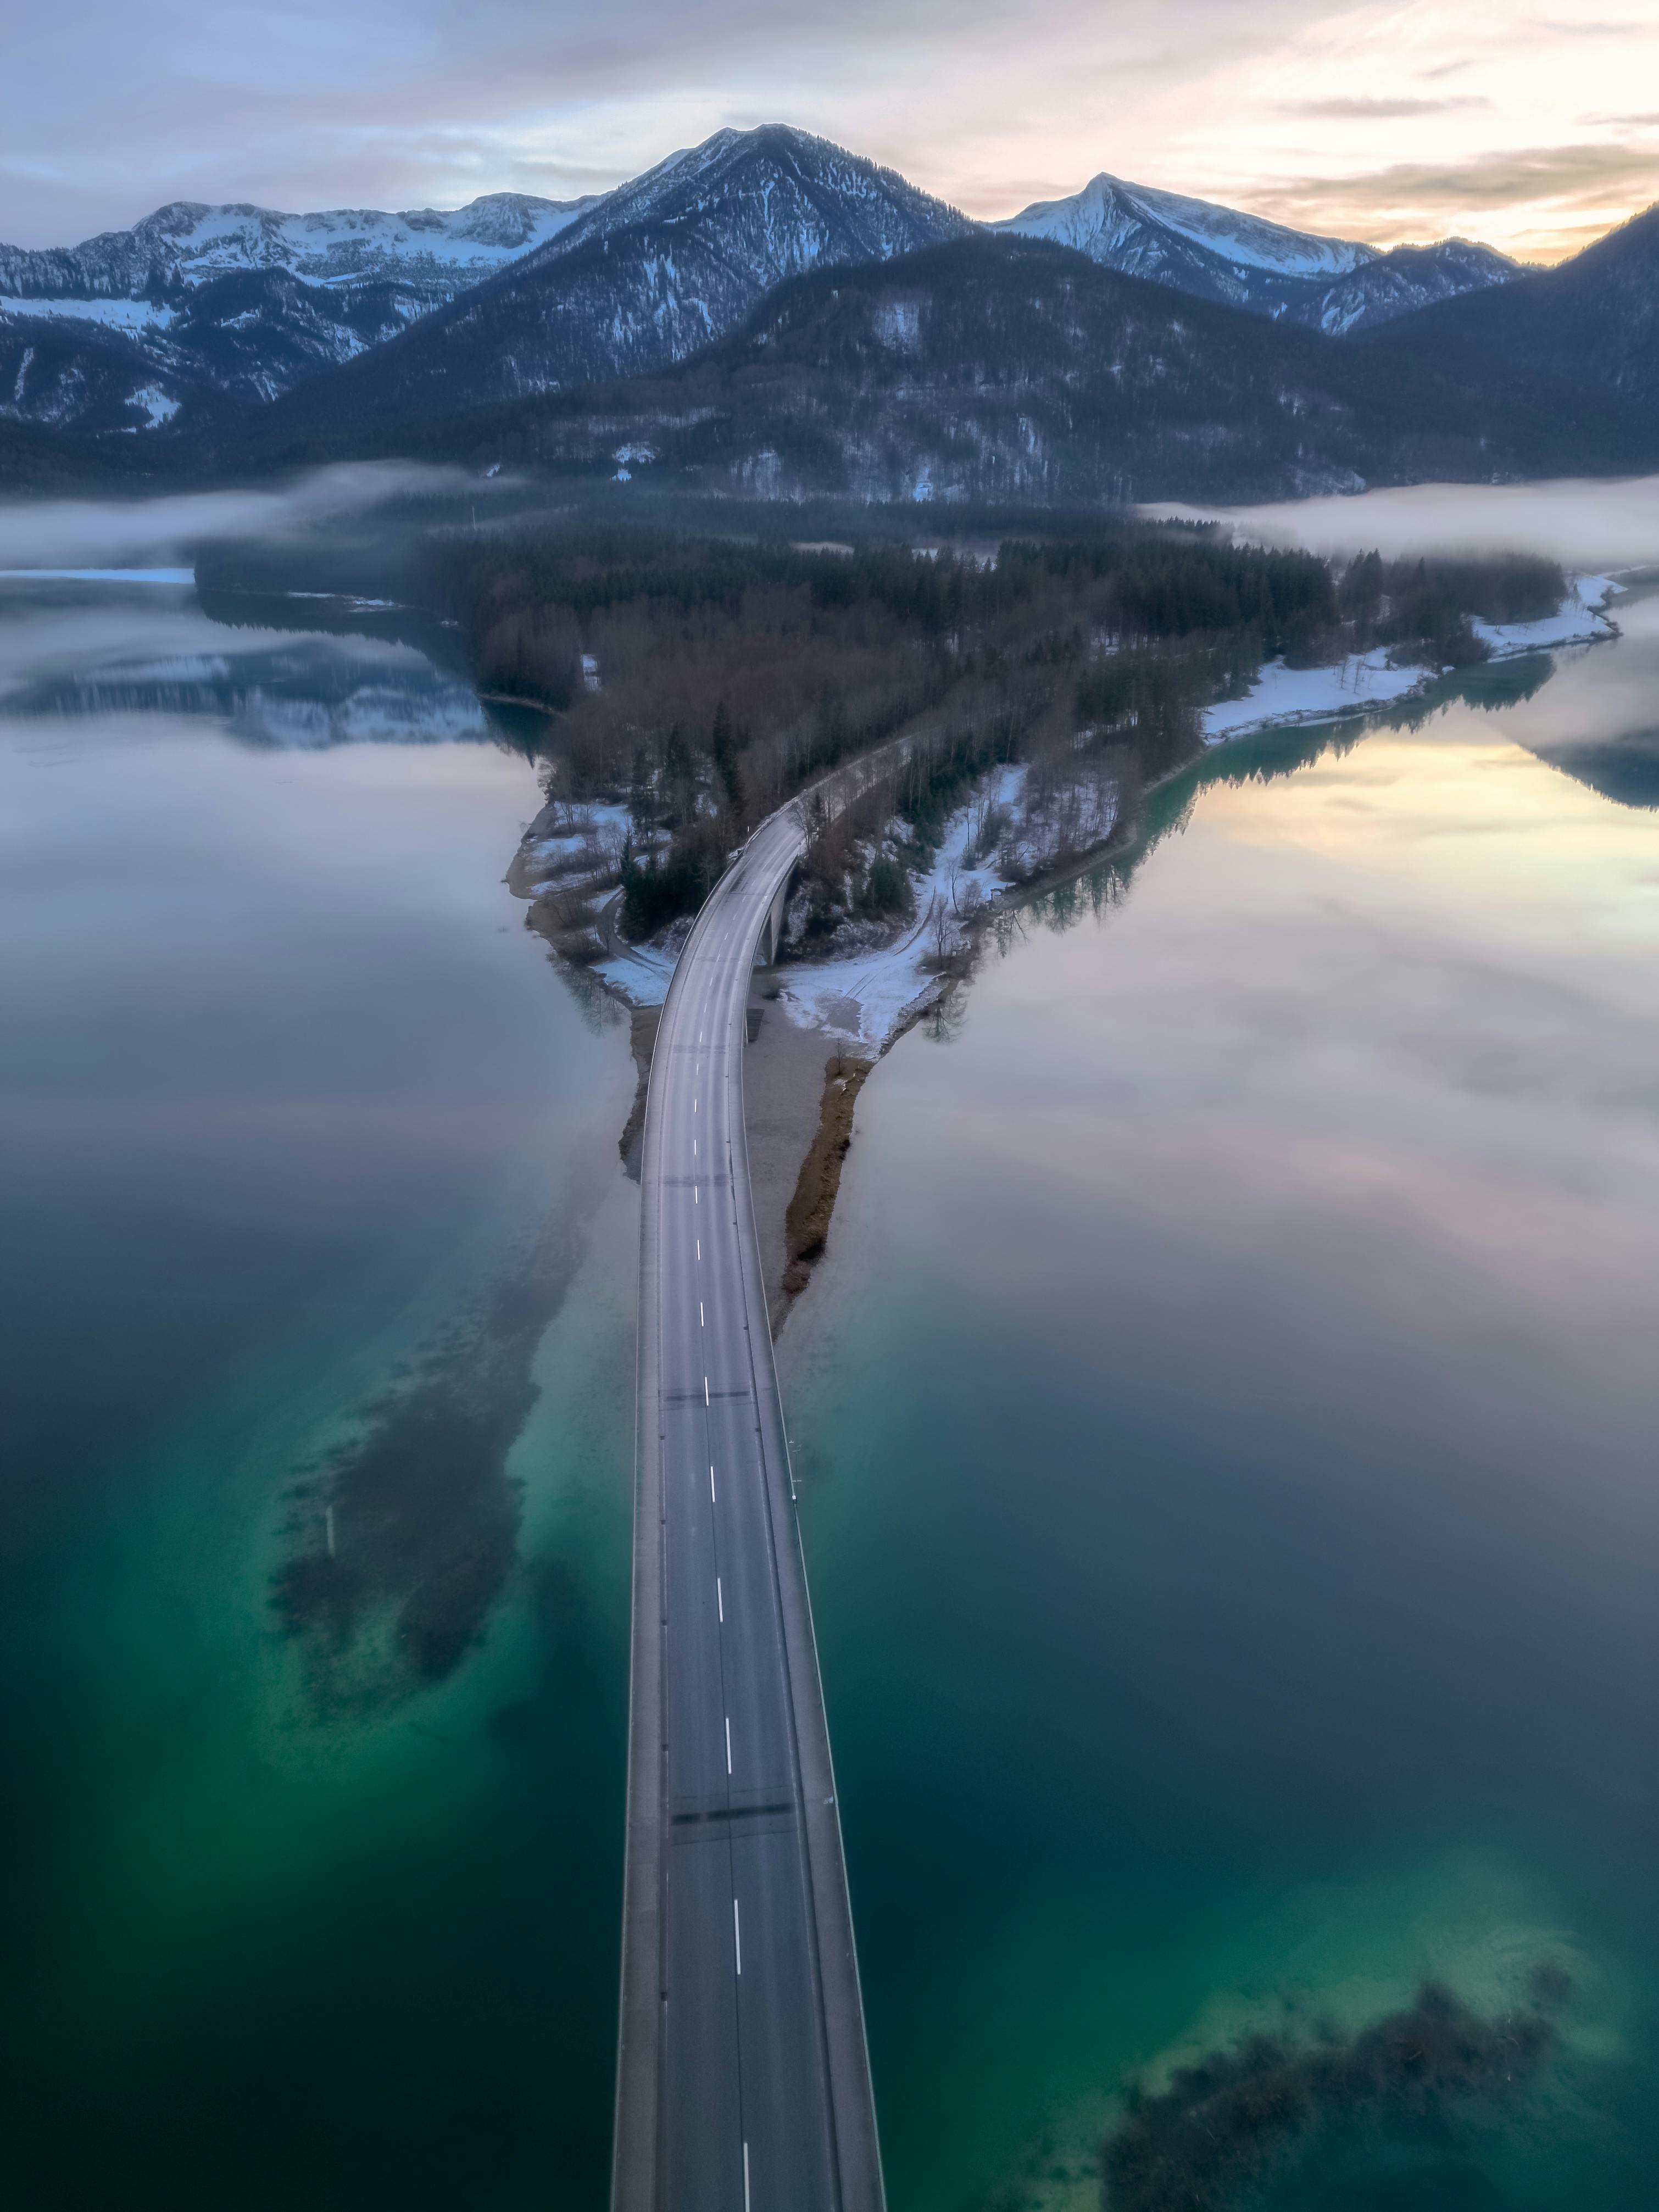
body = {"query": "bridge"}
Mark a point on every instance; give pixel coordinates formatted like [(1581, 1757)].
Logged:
[(743, 2082)]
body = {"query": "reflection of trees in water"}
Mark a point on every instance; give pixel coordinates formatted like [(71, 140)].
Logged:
[(309, 696), (1624, 768), (1269, 755)]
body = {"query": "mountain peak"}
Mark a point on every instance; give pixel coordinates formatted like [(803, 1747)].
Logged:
[(1333, 285), (1109, 204)]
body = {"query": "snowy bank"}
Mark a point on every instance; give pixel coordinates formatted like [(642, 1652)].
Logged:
[(1280, 695), (641, 974), (1579, 620)]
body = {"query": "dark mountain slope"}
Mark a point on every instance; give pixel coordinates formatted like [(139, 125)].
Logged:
[(75, 377), (992, 369), (1401, 282), (1580, 343), (201, 352), (34, 461), (654, 272)]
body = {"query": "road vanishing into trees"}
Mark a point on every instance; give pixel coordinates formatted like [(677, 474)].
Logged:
[(743, 2077)]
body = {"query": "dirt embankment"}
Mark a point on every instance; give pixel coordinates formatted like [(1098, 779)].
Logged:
[(642, 1038), (806, 1219)]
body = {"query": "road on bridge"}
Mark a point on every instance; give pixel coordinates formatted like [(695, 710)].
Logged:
[(743, 2078)]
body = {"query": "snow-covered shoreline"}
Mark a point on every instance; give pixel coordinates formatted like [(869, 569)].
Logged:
[(1282, 698)]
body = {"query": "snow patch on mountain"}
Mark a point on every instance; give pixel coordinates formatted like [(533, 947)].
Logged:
[(157, 405), (190, 243), (113, 314), (1107, 210), (1252, 240), (1333, 285)]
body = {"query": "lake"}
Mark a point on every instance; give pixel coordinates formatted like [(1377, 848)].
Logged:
[(1224, 1418), (314, 1904), (1227, 1428)]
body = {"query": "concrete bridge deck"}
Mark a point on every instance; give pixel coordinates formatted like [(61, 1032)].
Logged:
[(742, 2078)]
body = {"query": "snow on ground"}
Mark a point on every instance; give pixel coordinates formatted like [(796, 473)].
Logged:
[(1281, 695), (599, 828), (863, 999), (1579, 620), (642, 974)]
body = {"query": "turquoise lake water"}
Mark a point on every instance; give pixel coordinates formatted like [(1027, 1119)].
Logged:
[(1226, 1417), (1228, 1430)]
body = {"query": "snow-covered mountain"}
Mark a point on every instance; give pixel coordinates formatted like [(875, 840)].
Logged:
[(1333, 285), (198, 315), (187, 244), (1132, 227), (653, 271)]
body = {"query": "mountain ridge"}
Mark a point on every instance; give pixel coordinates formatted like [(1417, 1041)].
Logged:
[(1218, 252), (983, 368), (191, 241), (659, 269), (222, 367)]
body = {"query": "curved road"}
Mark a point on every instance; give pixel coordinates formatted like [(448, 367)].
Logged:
[(743, 2082)]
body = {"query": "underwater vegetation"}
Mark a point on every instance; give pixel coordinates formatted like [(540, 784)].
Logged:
[(1244, 2124)]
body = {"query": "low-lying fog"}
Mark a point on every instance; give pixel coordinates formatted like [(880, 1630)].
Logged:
[(1582, 523), (84, 533)]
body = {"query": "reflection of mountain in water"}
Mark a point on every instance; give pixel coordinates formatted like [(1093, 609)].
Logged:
[(308, 696), (1624, 768)]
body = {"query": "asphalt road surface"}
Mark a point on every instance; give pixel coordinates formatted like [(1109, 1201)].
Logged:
[(742, 2078)]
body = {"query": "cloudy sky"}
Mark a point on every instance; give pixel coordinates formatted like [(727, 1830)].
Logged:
[(1533, 131)]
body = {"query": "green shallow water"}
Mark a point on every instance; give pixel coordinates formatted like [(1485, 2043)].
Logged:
[(1227, 1425)]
